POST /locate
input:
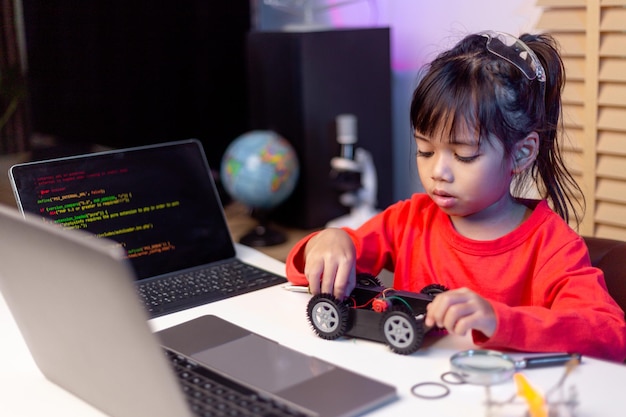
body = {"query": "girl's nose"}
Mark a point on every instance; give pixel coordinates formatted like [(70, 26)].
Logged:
[(441, 168)]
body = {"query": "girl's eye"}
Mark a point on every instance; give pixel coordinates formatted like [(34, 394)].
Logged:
[(424, 154), (466, 159)]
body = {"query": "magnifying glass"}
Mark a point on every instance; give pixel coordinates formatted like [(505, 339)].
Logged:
[(489, 367)]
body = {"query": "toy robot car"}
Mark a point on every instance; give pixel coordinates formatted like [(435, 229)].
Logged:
[(375, 313)]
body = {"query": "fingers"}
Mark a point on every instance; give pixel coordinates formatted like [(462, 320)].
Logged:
[(313, 275), (345, 281), (460, 311), (330, 263), (328, 277), (338, 279)]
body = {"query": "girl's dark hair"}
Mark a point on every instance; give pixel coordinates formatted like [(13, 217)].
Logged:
[(469, 86)]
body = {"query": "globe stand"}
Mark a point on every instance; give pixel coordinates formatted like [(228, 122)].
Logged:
[(263, 234)]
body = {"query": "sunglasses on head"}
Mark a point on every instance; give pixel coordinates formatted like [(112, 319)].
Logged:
[(516, 52)]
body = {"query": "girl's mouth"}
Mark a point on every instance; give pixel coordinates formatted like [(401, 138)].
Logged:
[(443, 199)]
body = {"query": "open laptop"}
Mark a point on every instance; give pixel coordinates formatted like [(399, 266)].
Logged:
[(160, 204), (99, 346)]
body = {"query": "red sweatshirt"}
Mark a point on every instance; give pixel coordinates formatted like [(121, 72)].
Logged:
[(538, 278)]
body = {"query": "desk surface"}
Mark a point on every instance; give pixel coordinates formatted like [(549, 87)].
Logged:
[(280, 315)]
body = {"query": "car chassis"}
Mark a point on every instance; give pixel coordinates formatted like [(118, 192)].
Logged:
[(375, 313)]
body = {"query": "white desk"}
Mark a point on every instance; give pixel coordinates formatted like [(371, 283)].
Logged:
[(281, 315)]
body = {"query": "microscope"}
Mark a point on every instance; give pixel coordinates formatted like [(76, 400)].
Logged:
[(353, 174)]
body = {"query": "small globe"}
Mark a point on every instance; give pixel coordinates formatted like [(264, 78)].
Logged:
[(260, 169)]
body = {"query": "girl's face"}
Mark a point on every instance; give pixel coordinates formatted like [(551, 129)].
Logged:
[(465, 177)]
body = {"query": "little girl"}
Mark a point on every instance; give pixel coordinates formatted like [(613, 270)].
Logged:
[(485, 116)]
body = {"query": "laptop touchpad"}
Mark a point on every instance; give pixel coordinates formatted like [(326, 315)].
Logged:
[(262, 363)]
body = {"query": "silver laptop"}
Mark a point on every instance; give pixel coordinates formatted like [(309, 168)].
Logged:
[(99, 347), (160, 203)]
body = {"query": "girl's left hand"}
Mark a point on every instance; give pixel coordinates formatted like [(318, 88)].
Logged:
[(461, 310)]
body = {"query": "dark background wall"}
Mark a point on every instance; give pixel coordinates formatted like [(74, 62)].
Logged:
[(125, 73)]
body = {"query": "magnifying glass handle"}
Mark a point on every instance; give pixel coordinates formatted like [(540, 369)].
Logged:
[(548, 360)]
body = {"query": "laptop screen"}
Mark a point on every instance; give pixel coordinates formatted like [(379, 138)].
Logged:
[(158, 202)]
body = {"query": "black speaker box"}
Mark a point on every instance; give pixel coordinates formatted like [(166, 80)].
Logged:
[(299, 82)]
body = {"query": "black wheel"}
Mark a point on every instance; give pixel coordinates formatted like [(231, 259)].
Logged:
[(401, 330), (328, 316), (433, 289), (368, 280)]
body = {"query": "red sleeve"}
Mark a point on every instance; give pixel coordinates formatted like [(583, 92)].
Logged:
[(570, 308)]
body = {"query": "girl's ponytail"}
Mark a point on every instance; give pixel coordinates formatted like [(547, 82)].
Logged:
[(550, 170)]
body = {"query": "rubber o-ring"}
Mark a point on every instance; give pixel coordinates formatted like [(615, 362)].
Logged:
[(445, 390)]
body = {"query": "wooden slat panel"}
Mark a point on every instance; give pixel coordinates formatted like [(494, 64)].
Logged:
[(612, 143), (611, 166), (574, 68), (563, 19), (560, 3), (592, 36), (573, 115), (577, 177), (574, 92), (613, 2), (573, 161), (611, 214), (611, 190), (612, 94), (613, 19), (613, 45), (613, 69), (612, 118), (573, 139), (610, 232), (583, 186), (571, 44)]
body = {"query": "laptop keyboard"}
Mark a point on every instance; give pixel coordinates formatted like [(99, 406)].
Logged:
[(197, 287), (210, 394)]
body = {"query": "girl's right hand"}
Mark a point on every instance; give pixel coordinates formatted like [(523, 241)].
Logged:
[(461, 310), (330, 263)]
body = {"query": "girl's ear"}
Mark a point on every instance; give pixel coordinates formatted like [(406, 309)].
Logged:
[(525, 152)]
